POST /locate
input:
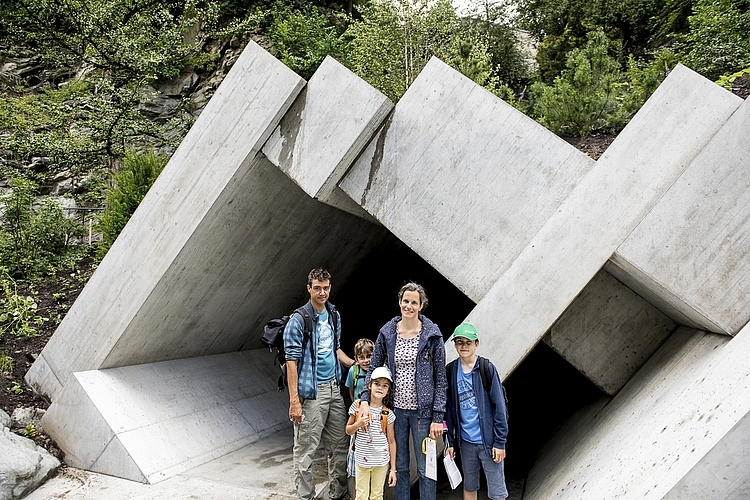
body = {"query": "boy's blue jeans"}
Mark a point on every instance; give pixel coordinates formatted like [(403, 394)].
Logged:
[(408, 421)]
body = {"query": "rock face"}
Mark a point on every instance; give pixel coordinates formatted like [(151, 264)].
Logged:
[(23, 464)]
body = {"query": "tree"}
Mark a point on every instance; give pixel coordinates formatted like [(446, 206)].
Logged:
[(718, 40), (141, 39), (586, 96), (393, 41)]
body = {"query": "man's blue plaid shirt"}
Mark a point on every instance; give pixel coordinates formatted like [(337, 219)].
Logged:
[(307, 385)]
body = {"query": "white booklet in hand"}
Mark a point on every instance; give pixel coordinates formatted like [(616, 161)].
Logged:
[(431, 459), (454, 475)]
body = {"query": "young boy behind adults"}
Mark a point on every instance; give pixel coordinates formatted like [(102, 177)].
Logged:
[(316, 406), (355, 379), (476, 419)]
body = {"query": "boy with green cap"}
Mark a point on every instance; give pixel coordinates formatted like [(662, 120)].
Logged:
[(476, 417)]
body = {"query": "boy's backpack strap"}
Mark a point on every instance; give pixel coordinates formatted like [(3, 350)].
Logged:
[(484, 370)]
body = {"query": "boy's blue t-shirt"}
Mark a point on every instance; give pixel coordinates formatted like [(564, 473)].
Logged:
[(468, 408), (359, 385), (326, 362)]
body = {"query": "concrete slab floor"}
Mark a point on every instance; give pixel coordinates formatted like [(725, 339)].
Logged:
[(261, 471)]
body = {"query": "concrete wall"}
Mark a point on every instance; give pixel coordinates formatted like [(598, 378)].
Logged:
[(676, 409), (689, 255), (222, 242), (723, 472), (462, 177), (329, 124), (609, 332), (606, 205)]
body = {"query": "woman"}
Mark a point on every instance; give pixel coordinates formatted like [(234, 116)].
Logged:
[(412, 347)]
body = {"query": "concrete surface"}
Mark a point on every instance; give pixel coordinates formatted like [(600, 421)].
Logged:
[(609, 332), (149, 422), (330, 122), (208, 239), (606, 205), (462, 177), (684, 255), (685, 400)]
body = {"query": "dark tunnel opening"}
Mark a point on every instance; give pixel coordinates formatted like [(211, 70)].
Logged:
[(543, 391)]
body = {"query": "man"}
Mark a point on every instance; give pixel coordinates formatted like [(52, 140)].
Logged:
[(476, 417), (316, 405)]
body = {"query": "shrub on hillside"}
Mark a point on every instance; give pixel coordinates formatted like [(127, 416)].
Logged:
[(131, 184)]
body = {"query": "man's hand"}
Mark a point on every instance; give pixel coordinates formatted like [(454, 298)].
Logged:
[(295, 411), (451, 453)]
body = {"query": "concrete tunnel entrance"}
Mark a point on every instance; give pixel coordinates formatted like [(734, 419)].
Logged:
[(543, 392)]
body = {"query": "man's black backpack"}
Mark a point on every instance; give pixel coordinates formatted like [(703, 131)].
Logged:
[(484, 371), (273, 338)]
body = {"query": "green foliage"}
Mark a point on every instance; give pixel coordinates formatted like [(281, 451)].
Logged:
[(30, 430), (130, 186), (392, 41), (34, 237), (6, 364), (644, 78), (586, 97), (18, 314), (16, 388), (718, 41), (727, 81), (128, 38), (303, 38)]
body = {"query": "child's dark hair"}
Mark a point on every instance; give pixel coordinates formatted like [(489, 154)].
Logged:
[(388, 399), (363, 346)]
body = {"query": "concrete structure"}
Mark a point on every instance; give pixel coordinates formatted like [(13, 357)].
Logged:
[(634, 268)]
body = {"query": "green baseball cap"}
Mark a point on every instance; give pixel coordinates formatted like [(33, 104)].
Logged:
[(465, 330)]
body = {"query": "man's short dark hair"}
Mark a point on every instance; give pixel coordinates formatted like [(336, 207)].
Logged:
[(318, 274)]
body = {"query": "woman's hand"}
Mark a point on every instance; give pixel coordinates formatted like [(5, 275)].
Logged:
[(364, 414), (451, 453), (436, 429)]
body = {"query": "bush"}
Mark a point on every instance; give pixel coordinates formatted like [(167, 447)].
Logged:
[(17, 313), (34, 238), (718, 42), (587, 96), (130, 186)]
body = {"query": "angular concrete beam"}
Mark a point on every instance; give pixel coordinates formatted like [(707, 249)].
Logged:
[(463, 178), (222, 242), (664, 423), (149, 422), (691, 254), (237, 121), (328, 125), (722, 472), (609, 332), (606, 205)]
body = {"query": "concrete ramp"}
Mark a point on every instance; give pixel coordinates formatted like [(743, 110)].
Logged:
[(152, 421)]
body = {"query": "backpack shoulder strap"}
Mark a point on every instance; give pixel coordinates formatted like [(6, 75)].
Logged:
[(384, 418), (307, 321), (484, 370), (450, 372)]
